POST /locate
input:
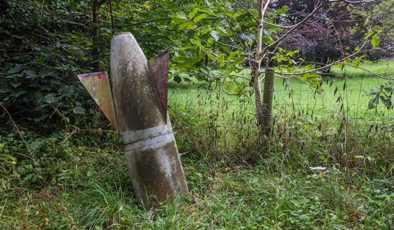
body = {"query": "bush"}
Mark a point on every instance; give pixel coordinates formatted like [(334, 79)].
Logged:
[(40, 57)]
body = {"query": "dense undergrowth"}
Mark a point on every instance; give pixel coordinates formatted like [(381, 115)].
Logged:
[(79, 181), (313, 173)]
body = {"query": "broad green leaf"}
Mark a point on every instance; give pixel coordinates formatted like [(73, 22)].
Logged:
[(187, 25), (193, 13), (197, 43), (231, 56), (205, 29), (179, 17), (200, 17), (375, 41)]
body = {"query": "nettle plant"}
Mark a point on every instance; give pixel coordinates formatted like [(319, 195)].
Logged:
[(223, 39)]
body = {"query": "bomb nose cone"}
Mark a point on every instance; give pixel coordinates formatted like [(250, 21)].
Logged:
[(135, 98)]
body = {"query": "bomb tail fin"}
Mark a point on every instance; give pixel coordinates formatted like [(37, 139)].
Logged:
[(98, 86)]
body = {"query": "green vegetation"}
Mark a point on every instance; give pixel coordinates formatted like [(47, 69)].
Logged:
[(328, 162), (77, 178)]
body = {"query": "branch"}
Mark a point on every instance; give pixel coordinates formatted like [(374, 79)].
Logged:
[(329, 65), (248, 10), (256, 19), (18, 132), (357, 67), (228, 45), (337, 34), (143, 22), (353, 1), (262, 10)]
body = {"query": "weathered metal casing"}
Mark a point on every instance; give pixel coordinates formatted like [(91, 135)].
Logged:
[(150, 148), (97, 85)]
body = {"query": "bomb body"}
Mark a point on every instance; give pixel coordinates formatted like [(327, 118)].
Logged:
[(145, 129)]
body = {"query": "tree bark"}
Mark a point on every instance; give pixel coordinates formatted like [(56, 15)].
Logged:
[(255, 64), (95, 34), (257, 93), (269, 84)]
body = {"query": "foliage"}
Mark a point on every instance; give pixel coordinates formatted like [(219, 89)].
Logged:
[(45, 44), (41, 55), (212, 28), (322, 168), (51, 43), (377, 14)]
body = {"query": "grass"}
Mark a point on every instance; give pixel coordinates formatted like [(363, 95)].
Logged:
[(308, 177)]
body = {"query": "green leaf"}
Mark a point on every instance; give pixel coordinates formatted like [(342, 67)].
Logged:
[(375, 41), (197, 43), (179, 17), (30, 73), (187, 25), (387, 102), (193, 13), (232, 56), (16, 69), (373, 103), (200, 17), (215, 35), (50, 98), (222, 29), (79, 110), (205, 29), (282, 10), (341, 66), (15, 84)]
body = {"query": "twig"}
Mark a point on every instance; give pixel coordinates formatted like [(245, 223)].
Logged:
[(327, 66), (18, 132), (231, 46)]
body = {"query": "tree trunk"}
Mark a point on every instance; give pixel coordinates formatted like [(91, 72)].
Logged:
[(257, 92), (255, 64), (95, 35), (269, 83)]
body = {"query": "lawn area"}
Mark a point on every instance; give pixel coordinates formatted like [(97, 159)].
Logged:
[(309, 176), (298, 97)]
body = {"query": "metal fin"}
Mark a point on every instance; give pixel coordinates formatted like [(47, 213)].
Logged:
[(158, 67), (97, 84)]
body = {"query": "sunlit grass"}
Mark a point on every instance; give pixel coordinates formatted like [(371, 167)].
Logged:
[(384, 68)]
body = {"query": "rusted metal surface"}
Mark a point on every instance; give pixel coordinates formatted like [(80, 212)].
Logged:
[(158, 67), (150, 148), (97, 84), (157, 173)]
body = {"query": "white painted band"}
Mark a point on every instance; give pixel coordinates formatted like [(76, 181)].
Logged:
[(154, 142), (139, 135)]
